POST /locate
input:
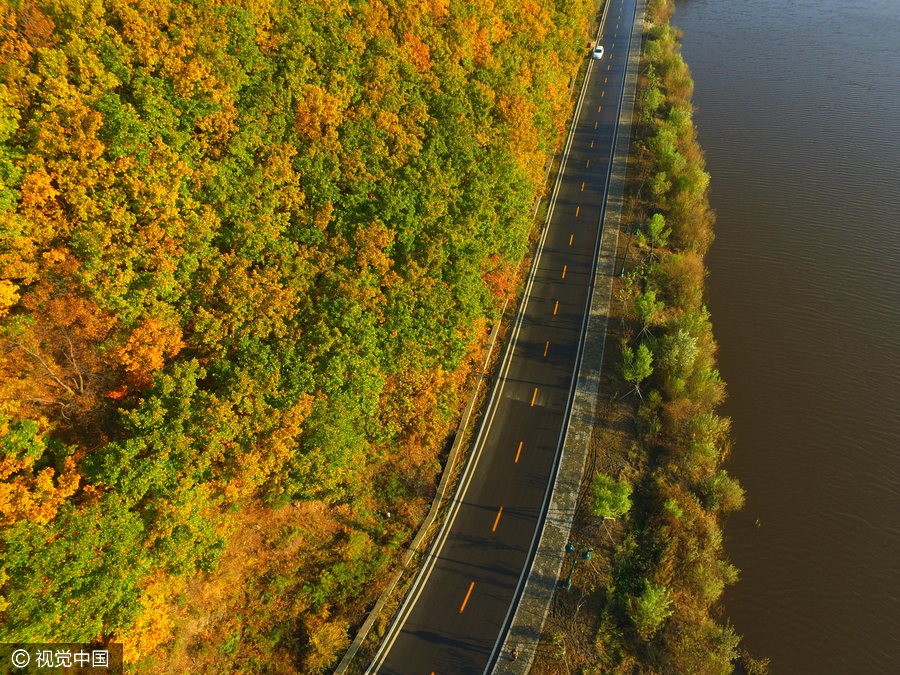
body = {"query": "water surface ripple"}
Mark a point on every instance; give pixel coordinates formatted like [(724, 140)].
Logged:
[(798, 110)]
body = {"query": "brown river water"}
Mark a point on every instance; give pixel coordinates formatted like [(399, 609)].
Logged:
[(798, 110)]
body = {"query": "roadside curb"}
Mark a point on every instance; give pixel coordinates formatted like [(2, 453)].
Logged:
[(527, 624)]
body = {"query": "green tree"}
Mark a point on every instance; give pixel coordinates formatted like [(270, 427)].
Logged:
[(612, 499), (678, 352), (654, 50), (660, 186), (647, 309), (637, 366), (657, 232), (650, 609), (680, 120), (652, 100)]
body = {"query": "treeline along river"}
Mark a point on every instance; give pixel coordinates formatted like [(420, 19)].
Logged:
[(798, 110)]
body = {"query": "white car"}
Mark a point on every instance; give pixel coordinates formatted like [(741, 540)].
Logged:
[(597, 52)]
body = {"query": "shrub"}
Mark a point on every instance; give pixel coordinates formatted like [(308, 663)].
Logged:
[(701, 649), (680, 279), (612, 499), (721, 492), (672, 509), (650, 609), (706, 443)]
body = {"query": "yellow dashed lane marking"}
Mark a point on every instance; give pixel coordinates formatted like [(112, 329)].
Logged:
[(582, 187), (534, 397), (546, 347), (494, 529), (565, 267), (571, 237), (577, 209), (467, 597), (554, 312), (519, 452)]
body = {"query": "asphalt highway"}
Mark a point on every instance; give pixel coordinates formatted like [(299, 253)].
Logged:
[(455, 613)]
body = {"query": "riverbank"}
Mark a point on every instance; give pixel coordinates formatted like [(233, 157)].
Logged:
[(654, 499)]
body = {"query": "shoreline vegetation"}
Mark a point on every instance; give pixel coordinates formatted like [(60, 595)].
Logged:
[(249, 252), (655, 499)]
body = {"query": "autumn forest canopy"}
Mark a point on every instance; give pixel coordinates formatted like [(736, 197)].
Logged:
[(249, 253)]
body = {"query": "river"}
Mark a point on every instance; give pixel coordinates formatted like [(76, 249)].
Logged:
[(798, 110)]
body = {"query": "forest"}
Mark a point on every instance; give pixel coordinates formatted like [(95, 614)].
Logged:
[(249, 253)]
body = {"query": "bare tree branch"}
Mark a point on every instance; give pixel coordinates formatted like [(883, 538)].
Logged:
[(46, 401), (71, 358), (46, 367)]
